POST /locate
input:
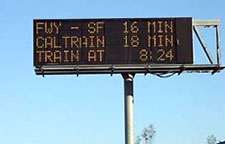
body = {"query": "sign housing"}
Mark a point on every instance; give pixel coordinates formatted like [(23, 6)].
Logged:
[(113, 41)]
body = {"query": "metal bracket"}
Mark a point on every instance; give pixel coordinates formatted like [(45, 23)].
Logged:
[(148, 67), (209, 24), (42, 72), (112, 70), (216, 70), (182, 69), (77, 70)]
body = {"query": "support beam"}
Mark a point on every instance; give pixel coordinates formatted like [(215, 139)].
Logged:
[(129, 108)]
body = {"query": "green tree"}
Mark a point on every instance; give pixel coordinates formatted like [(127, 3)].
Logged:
[(138, 140), (211, 139), (147, 135)]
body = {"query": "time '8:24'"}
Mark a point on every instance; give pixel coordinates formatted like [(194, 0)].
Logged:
[(160, 55)]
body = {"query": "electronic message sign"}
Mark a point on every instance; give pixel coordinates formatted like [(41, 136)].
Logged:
[(112, 41)]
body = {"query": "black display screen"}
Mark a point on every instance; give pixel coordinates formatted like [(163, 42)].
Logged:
[(113, 41)]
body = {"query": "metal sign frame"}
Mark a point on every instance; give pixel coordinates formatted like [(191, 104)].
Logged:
[(128, 72), (158, 69)]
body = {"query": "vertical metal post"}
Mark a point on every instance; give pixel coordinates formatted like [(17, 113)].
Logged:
[(129, 108), (218, 44)]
